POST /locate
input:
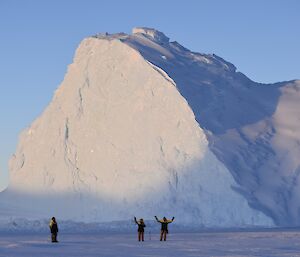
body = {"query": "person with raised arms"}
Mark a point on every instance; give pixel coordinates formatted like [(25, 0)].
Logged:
[(164, 227)]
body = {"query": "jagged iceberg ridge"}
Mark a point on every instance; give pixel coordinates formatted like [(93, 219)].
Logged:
[(122, 137)]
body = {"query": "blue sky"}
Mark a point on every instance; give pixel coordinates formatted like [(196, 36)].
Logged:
[(38, 40)]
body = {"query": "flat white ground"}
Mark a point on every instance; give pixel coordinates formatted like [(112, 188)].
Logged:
[(270, 243)]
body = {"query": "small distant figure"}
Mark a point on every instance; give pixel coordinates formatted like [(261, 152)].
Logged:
[(164, 227), (141, 230), (54, 230)]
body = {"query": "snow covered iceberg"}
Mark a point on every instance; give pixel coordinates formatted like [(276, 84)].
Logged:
[(140, 126)]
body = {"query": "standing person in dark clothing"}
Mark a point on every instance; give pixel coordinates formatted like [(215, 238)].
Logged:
[(141, 226), (54, 230), (164, 227)]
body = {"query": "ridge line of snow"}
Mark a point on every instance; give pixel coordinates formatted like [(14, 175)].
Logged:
[(162, 72), (156, 68)]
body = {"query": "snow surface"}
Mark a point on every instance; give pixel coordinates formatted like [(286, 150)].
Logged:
[(205, 244), (118, 140)]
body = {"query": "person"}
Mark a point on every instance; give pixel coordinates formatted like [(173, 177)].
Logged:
[(54, 230), (164, 227), (141, 230)]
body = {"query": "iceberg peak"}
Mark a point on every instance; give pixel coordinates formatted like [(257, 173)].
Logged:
[(151, 33)]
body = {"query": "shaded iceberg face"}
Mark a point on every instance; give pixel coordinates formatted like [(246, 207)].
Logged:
[(249, 125)]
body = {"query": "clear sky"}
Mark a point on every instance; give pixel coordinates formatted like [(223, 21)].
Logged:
[(38, 39)]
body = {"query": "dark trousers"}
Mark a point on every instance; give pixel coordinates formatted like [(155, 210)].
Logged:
[(54, 237), (163, 235), (141, 235)]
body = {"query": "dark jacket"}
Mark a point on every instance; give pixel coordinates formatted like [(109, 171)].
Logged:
[(164, 223), (53, 227), (141, 226)]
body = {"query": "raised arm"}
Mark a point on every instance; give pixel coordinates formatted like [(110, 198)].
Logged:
[(157, 219), (135, 220), (170, 221)]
